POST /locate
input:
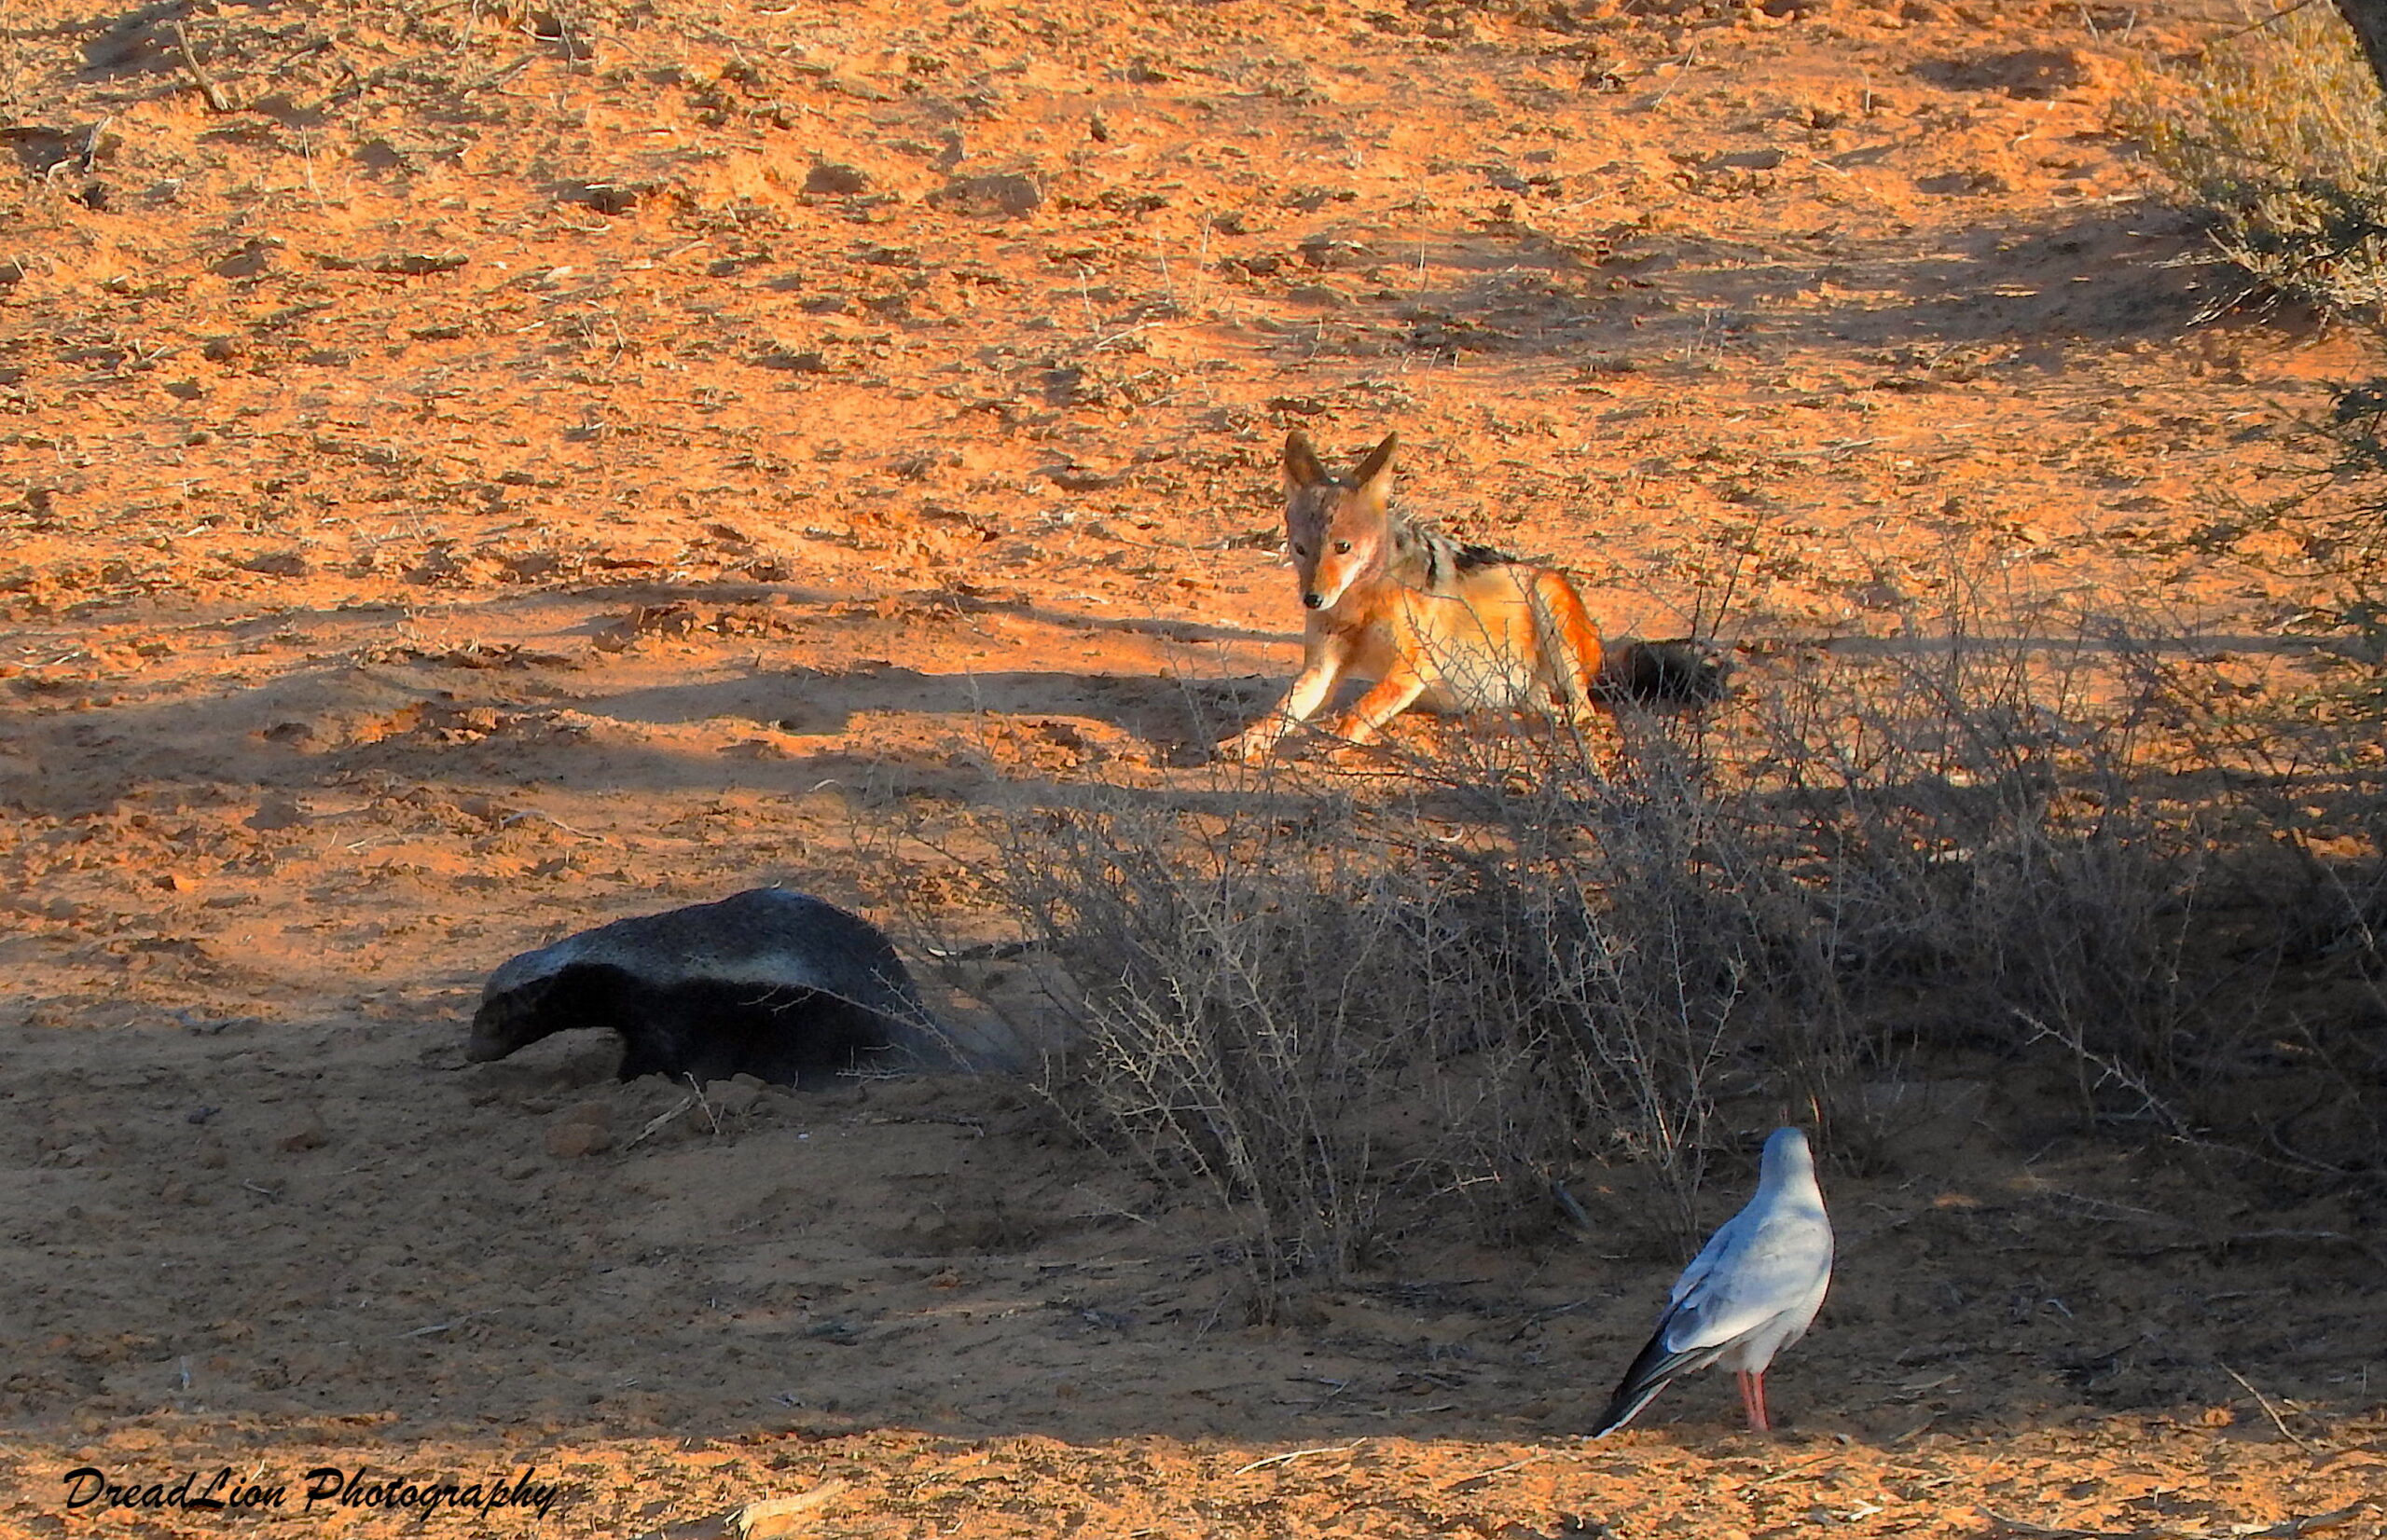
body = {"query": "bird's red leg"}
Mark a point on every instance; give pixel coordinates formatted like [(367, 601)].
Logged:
[(1758, 1420)]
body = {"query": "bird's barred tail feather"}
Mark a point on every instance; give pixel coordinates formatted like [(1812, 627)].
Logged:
[(1650, 1373)]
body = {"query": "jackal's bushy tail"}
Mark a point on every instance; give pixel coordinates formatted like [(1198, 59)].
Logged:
[(1679, 671)]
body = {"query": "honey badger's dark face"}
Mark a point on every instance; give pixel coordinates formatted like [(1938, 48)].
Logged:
[(582, 994), (506, 1021)]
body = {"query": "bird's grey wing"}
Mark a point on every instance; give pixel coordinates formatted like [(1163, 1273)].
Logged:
[(1664, 1358), (1696, 1272), (1765, 1271)]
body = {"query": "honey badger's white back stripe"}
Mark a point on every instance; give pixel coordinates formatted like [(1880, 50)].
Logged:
[(772, 940), (767, 937)]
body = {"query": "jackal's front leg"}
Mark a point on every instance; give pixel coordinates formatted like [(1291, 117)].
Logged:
[(1311, 686), (1396, 692)]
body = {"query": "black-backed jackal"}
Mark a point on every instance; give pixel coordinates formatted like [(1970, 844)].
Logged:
[(1434, 623)]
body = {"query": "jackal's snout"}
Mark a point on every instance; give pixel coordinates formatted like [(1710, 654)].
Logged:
[(1313, 599)]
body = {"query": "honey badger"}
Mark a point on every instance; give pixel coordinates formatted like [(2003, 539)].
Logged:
[(773, 984)]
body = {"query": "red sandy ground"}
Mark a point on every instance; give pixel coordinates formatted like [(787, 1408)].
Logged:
[(511, 468)]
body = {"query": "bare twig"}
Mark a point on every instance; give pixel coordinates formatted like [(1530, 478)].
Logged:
[(656, 1123), (2248, 1237), (2288, 1529), (2268, 1411), (1786, 1471), (705, 1104), (2112, 1071), (1467, 1483), (534, 813), (2259, 22), (439, 1326), (472, 22), (313, 45), (208, 89), (1291, 1455), (1683, 65)]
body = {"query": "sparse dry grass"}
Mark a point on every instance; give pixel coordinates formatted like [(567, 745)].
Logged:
[(1536, 979), (2279, 131)]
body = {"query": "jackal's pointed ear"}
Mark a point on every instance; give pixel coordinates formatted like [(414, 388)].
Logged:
[(1303, 467), (1375, 474)]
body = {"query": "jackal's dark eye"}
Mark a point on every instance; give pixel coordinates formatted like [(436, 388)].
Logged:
[(1343, 547)]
